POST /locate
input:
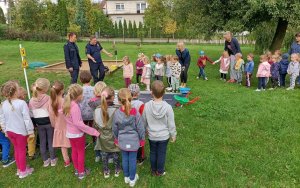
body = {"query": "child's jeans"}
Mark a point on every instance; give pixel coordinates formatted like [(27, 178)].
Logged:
[(46, 139), (282, 80), (175, 83), (19, 141), (78, 153), (248, 79), (262, 82), (169, 79), (201, 72), (274, 82), (127, 82), (4, 142), (293, 80), (239, 77), (158, 151), (129, 164), (106, 156)]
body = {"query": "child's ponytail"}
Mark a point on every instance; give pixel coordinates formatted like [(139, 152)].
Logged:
[(74, 91), (55, 90), (107, 96), (125, 99)]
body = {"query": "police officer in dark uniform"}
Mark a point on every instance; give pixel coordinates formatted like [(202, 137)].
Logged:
[(93, 52), (72, 57)]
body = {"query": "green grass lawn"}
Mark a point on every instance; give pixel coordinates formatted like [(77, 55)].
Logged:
[(232, 137)]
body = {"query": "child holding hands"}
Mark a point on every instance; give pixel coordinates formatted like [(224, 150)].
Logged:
[(127, 71), (263, 72), (224, 65), (146, 76)]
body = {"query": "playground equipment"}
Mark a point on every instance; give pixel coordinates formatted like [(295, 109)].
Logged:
[(184, 100)]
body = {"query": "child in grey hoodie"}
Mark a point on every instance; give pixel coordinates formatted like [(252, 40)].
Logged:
[(160, 124), (129, 133), (293, 70)]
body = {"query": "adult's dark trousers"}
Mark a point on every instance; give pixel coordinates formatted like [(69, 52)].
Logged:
[(74, 76), (97, 71), (158, 152), (184, 74)]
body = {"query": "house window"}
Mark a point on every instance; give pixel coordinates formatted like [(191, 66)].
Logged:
[(119, 6), (140, 7)]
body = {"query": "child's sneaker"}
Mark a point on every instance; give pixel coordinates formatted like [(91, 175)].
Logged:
[(110, 160), (47, 162), (290, 88), (76, 173), (140, 161), (197, 77), (106, 175), (27, 172), (86, 172), (54, 162), (67, 163), (127, 180), (97, 159), (271, 88), (8, 162), (117, 173), (161, 174), (258, 90), (206, 78), (133, 182)]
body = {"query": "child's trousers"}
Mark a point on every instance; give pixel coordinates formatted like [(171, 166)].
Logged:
[(282, 80), (106, 156), (175, 83), (19, 141), (46, 138), (248, 79), (293, 80), (158, 152), (78, 153), (129, 164), (239, 76), (274, 82), (4, 142), (262, 82), (202, 72)]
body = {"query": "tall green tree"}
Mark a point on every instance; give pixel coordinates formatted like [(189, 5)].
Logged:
[(29, 14), (80, 17), (120, 28), (63, 18), (2, 17), (134, 28), (125, 28), (130, 29)]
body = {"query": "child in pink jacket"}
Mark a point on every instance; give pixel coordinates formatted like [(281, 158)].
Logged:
[(263, 72), (127, 71), (76, 129)]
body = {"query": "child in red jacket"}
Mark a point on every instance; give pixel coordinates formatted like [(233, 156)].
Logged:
[(202, 63)]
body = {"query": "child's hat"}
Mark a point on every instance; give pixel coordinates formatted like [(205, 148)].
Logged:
[(158, 55), (201, 52), (134, 89), (285, 56)]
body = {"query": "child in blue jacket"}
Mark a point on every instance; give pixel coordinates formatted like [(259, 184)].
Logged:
[(283, 66)]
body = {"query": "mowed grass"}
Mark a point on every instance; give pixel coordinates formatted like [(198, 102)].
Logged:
[(232, 137)]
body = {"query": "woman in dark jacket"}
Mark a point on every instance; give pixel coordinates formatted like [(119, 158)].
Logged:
[(184, 59)]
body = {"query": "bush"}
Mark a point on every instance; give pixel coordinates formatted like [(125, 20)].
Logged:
[(45, 36), (3, 29)]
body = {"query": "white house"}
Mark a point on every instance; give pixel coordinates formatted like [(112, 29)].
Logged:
[(129, 10)]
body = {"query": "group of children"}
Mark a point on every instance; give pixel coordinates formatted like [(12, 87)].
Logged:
[(64, 118), (160, 67), (273, 67)]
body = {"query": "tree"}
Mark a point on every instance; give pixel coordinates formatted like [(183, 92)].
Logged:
[(29, 14), (90, 17), (80, 17), (125, 28), (170, 27), (104, 24), (2, 17), (50, 17), (63, 18), (120, 29), (134, 29), (141, 32), (130, 29)]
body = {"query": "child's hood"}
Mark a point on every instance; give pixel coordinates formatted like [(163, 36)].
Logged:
[(158, 109), (40, 101)]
